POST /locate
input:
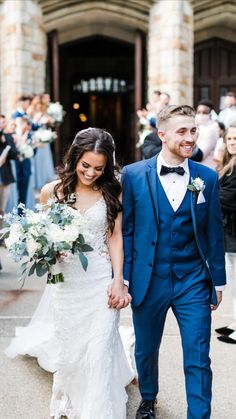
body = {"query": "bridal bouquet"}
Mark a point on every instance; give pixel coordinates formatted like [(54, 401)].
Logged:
[(45, 135), (26, 151), (39, 238), (55, 110)]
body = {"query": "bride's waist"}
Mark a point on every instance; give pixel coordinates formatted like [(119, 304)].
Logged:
[(96, 261)]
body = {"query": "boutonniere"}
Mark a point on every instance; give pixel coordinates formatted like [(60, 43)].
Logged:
[(197, 185)]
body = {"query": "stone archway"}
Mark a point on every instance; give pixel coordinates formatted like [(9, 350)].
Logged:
[(97, 89), (82, 22)]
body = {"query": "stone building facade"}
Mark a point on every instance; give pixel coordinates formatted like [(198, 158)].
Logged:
[(23, 51), (169, 45)]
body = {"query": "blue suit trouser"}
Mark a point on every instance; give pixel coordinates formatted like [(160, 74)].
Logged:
[(190, 303)]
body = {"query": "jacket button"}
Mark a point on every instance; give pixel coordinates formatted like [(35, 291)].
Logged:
[(150, 264), (153, 243)]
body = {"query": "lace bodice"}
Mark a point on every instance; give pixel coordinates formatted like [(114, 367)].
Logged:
[(94, 226)]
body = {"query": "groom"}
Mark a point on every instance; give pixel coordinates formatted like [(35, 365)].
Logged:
[(174, 257)]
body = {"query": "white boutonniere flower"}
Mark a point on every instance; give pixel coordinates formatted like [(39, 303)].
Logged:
[(197, 185)]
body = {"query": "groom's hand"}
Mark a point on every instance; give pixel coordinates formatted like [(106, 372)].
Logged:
[(118, 296), (219, 299)]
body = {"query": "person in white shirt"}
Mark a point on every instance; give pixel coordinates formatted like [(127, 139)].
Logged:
[(228, 114), (207, 133)]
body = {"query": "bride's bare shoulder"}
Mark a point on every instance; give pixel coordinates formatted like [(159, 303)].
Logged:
[(47, 191)]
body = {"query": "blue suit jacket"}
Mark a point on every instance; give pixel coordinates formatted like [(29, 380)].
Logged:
[(140, 230)]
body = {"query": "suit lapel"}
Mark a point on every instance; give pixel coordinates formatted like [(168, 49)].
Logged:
[(151, 176), (193, 197), (193, 201)]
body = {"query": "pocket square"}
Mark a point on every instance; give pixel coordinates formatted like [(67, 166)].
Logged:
[(200, 199)]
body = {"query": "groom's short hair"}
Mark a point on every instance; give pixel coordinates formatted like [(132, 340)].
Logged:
[(174, 110)]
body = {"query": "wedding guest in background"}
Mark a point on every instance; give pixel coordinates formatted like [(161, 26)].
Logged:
[(164, 100), (22, 104), (32, 109), (152, 143), (7, 152), (6, 175), (153, 106), (228, 114), (23, 165), (220, 145), (43, 162), (227, 174), (207, 133)]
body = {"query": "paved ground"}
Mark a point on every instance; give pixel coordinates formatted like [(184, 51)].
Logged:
[(25, 388)]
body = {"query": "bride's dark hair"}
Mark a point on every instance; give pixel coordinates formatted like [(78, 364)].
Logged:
[(99, 141)]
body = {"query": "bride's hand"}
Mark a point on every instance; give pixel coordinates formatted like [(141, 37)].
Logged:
[(118, 296)]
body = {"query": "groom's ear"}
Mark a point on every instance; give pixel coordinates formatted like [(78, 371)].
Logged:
[(161, 135)]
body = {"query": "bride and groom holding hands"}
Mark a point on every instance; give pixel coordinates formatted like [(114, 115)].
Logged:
[(162, 248)]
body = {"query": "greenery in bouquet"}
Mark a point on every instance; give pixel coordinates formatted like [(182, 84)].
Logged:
[(45, 136), (38, 239)]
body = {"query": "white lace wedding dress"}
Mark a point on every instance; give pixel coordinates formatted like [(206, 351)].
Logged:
[(74, 334)]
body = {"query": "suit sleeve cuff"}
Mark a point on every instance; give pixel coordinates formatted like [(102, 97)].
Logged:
[(220, 288), (126, 283)]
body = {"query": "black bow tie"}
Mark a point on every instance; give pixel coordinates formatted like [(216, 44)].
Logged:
[(165, 170)]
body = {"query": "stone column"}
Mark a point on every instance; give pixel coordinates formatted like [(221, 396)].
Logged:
[(170, 50), (23, 51)]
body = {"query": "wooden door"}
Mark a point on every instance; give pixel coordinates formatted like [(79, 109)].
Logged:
[(214, 70)]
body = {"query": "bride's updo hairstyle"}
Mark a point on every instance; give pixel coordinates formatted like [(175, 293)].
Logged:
[(101, 142)]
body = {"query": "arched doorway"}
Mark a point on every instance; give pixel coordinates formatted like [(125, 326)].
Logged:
[(97, 89)]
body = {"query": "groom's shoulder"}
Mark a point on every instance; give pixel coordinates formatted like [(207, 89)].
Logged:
[(138, 167), (203, 171)]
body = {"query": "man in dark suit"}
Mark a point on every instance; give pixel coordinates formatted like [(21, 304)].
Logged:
[(6, 175), (174, 257), (152, 143)]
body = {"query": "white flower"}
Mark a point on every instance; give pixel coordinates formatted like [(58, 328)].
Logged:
[(45, 135), (55, 110), (55, 233), (16, 229), (26, 151), (196, 185), (70, 233), (34, 217), (35, 230), (15, 234), (199, 184), (32, 246), (9, 242)]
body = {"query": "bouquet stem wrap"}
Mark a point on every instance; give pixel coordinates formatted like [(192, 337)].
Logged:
[(55, 275)]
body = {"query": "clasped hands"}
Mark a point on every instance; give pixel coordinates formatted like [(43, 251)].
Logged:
[(118, 295)]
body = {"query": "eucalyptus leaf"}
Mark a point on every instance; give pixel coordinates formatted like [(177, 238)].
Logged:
[(83, 260), (86, 248), (41, 269), (32, 268), (81, 239)]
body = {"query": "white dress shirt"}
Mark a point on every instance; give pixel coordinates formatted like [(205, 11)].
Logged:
[(175, 187)]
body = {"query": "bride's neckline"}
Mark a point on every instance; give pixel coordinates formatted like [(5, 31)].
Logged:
[(84, 210)]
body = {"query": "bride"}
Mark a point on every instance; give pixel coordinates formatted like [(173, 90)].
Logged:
[(74, 331)]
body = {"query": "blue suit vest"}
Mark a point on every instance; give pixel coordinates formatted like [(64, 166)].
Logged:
[(176, 249)]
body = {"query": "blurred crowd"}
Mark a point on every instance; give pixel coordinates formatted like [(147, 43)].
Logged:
[(26, 161), (211, 128)]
